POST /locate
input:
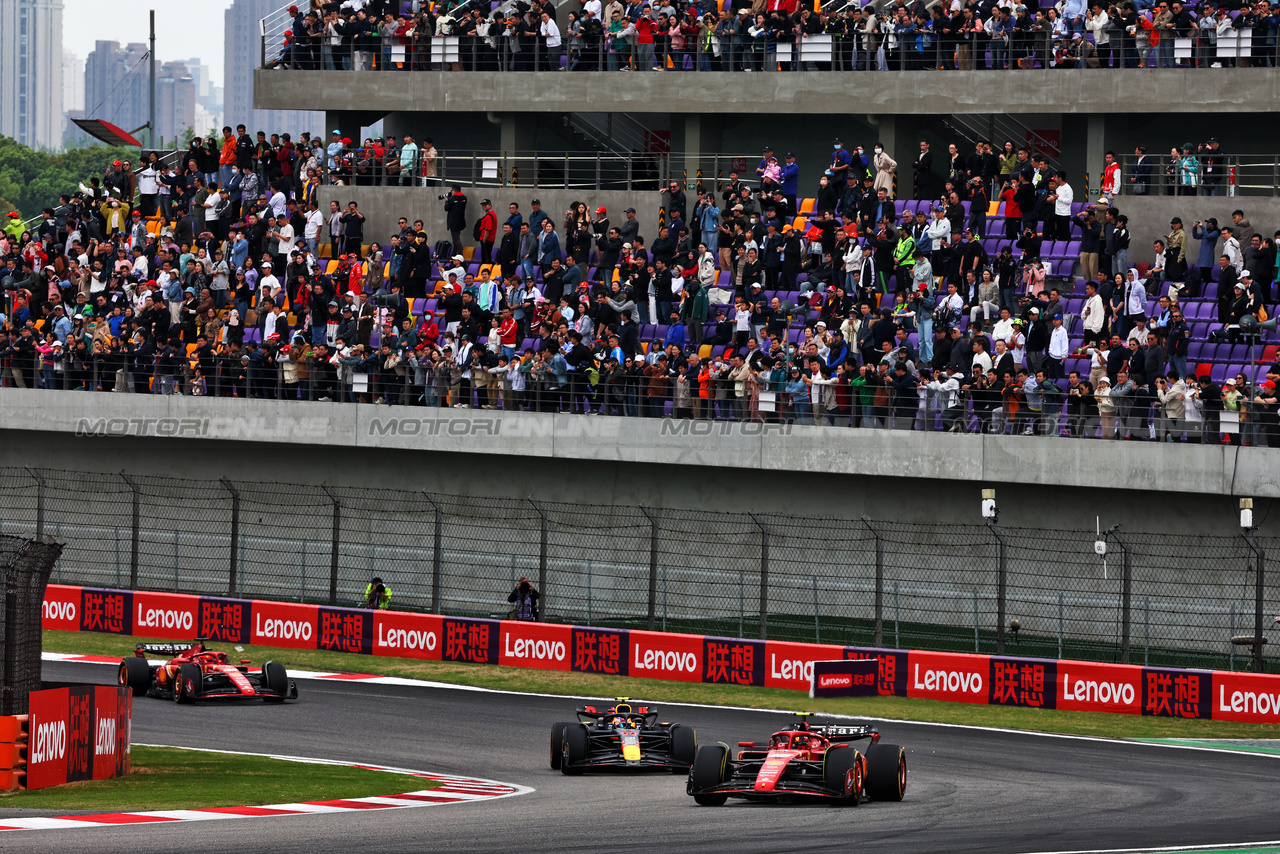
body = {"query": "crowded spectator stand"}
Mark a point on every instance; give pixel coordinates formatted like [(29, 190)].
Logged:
[(964, 309), (739, 36)]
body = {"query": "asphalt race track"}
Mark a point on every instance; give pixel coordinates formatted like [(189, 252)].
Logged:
[(967, 790)]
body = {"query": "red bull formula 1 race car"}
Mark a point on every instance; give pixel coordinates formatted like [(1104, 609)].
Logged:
[(801, 763), (625, 737), (195, 672)]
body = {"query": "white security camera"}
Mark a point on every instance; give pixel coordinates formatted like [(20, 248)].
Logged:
[(989, 509), (1246, 514)]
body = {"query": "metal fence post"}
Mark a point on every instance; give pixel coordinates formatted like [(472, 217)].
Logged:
[(879, 641), (1258, 638), (35, 475), (137, 530), (542, 561), (1000, 586), (235, 535), (333, 556), (435, 554), (1126, 592), (764, 576), (653, 563)]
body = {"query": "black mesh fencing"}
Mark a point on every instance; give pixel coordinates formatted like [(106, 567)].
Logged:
[(1152, 598), (25, 565)]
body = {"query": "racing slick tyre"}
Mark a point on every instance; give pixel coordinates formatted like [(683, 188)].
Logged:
[(842, 771), (709, 769), (275, 678), (574, 750), (186, 688), (684, 746), (135, 674), (557, 742), (886, 772)]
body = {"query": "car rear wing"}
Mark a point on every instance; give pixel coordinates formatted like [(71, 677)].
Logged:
[(168, 648), (623, 708), (846, 733)]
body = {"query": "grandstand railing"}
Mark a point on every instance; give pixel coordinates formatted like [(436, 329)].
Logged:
[(417, 383), (1212, 175), (1157, 598), (789, 51), (568, 170)]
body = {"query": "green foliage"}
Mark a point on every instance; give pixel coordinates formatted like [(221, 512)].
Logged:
[(32, 180)]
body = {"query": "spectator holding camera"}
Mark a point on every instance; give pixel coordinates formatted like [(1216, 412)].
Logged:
[(525, 597)]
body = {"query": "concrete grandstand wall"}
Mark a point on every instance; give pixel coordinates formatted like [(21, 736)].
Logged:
[(912, 476)]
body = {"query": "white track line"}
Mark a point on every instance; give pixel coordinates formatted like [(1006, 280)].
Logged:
[(1234, 846)]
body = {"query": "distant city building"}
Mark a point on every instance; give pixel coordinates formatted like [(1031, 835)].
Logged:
[(31, 72), (175, 101), (199, 76), (242, 54), (72, 82)]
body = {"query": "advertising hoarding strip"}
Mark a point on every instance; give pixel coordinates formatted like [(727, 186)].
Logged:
[(955, 677)]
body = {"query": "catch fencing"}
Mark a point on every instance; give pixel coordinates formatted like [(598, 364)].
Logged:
[(1163, 599), (25, 565)]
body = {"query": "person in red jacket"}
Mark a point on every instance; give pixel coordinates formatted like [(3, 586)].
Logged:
[(646, 26), (227, 158), (1012, 212), (487, 231), (507, 333)]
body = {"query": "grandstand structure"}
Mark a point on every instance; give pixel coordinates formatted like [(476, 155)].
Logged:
[(1210, 352)]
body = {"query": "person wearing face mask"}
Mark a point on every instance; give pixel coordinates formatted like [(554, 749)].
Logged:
[(883, 165), (235, 192), (838, 171)]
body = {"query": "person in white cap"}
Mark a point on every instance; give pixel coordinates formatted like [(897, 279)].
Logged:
[(269, 280), (458, 267)]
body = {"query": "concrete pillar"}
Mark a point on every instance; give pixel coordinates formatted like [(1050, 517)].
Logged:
[(885, 130), (1095, 149), (518, 143), (519, 131), (691, 148), (897, 136)]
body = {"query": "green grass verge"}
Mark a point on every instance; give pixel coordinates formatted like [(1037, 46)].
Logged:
[(173, 778), (591, 684)]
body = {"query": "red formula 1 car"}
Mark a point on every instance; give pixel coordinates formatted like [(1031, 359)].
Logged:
[(801, 763), (197, 673)]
